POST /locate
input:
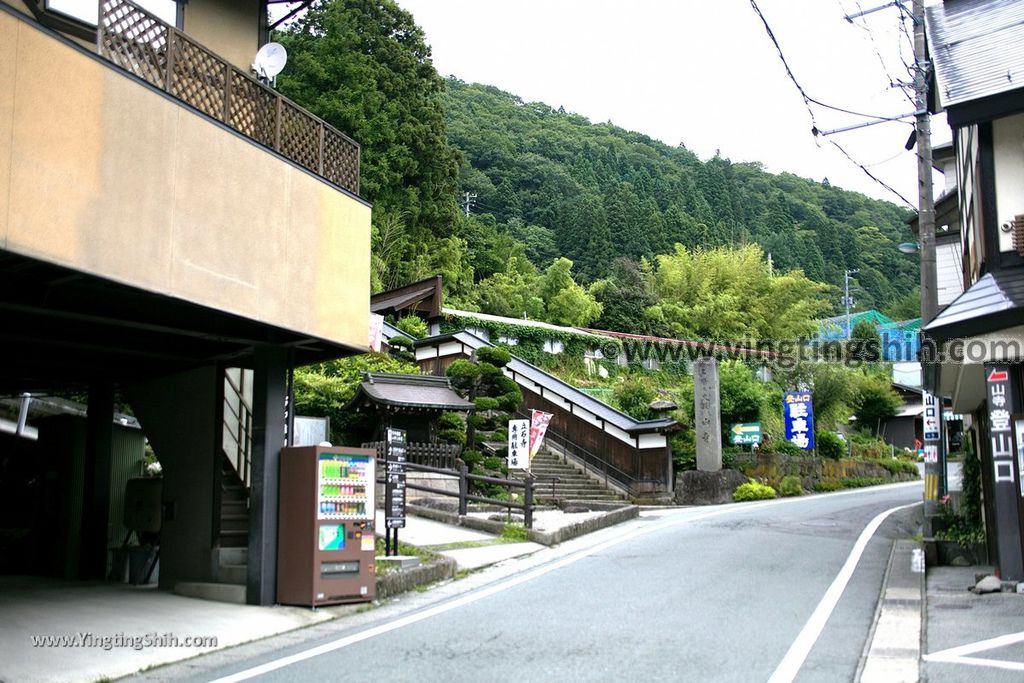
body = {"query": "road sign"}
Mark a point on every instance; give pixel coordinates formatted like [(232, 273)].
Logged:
[(745, 433), (798, 414)]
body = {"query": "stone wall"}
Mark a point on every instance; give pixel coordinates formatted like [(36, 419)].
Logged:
[(772, 468)]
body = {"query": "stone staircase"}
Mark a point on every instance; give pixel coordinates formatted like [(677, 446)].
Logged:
[(573, 483)]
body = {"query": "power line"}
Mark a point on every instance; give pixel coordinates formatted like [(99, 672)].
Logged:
[(809, 100), (893, 82)]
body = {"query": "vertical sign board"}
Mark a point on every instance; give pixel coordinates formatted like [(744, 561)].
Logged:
[(930, 429), (798, 414), (1002, 403), (394, 486), (518, 444)]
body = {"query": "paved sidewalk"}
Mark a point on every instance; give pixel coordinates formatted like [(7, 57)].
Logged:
[(979, 638), (469, 548)]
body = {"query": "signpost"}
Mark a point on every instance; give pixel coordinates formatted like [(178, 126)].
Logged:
[(518, 444), (798, 413), (745, 434), (394, 489)]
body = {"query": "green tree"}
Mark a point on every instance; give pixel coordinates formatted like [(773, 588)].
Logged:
[(363, 65), (566, 302), (873, 400), (324, 389), (725, 294)]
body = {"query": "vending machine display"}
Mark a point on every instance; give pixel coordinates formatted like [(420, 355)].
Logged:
[(326, 537)]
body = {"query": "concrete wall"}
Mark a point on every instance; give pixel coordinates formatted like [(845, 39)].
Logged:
[(104, 175), (229, 28), (178, 415)]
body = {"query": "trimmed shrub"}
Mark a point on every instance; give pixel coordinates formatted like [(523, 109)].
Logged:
[(400, 341), (486, 403), (830, 445), (455, 436), (496, 356), (492, 463), (790, 486), (827, 486), (450, 421), (472, 458), (752, 491)]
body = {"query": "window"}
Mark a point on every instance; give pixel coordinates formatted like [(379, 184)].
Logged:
[(553, 346), (508, 340)]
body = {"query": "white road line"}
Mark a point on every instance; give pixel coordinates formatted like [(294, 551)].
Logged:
[(795, 657), (957, 655), (502, 586)]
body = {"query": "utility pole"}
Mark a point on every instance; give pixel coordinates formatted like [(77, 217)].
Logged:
[(934, 464), (470, 197), (926, 201), (847, 299)]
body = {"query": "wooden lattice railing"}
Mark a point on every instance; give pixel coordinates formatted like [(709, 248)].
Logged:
[(163, 56)]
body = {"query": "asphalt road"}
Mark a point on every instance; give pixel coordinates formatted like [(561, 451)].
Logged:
[(697, 594)]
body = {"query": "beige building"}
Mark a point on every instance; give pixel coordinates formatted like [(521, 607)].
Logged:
[(167, 220)]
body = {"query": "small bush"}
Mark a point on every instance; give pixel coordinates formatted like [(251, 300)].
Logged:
[(514, 533), (828, 485), (830, 445), (472, 458), (492, 463), (899, 466), (752, 491), (790, 486), (510, 402), (785, 447)]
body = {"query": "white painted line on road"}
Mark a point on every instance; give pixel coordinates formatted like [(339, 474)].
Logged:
[(795, 657), (957, 655), (502, 586)]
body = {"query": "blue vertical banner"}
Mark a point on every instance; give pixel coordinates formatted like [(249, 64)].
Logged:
[(798, 414)]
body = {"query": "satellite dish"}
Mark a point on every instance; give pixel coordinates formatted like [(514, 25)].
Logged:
[(270, 60)]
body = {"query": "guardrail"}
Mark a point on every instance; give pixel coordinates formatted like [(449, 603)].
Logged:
[(464, 496), (163, 56)]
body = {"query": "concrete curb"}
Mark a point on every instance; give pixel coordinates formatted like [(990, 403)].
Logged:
[(892, 652), (405, 580), (612, 517)]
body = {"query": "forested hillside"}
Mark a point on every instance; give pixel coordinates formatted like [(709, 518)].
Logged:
[(641, 221), (601, 191)]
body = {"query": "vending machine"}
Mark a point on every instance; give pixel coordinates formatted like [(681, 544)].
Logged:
[(325, 547)]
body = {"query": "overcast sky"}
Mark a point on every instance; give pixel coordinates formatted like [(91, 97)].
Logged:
[(701, 73)]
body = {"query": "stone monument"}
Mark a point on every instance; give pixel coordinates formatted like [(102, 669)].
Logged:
[(707, 414)]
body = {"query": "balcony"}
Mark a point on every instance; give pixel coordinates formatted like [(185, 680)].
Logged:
[(156, 169), (142, 44)]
